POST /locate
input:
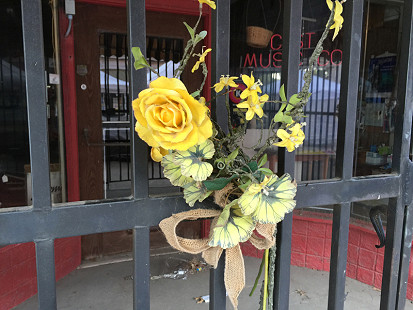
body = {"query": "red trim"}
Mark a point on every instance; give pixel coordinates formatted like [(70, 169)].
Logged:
[(67, 48), (176, 6)]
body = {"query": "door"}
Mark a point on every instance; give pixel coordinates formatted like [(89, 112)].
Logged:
[(103, 111)]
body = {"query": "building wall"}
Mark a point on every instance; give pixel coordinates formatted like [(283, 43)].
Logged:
[(18, 280)]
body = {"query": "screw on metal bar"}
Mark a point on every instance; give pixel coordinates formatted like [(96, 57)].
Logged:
[(375, 218)]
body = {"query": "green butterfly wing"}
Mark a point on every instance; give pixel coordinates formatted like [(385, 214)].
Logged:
[(232, 227), (194, 192), (191, 161), (173, 172)]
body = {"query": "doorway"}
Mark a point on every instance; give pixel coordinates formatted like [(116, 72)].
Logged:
[(103, 106)]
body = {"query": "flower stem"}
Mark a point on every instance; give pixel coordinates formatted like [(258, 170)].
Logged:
[(231, 132), (271, 271), (258, 277), (265, 294), (187, 55)]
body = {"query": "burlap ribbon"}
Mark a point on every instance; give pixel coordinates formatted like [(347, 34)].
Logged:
[(234, 276)]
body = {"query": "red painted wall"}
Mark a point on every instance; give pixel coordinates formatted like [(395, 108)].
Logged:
[(18, 280), (311, 248)]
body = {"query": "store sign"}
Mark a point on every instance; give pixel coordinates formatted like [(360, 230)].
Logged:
[(274, 57)]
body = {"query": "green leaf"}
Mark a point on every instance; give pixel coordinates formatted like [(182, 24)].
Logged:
[(194, 192), (203, 34), (195, 94), (266, 171), (262, 160), (140, 60), (232, 227), (282, 94), (253, 165), (173, 171), (218, 183), (233, 155), (190, 30), (294, 99), (191, 161), (278, 117), (268, 203), (199, 37), (245, 185), (287, 119)]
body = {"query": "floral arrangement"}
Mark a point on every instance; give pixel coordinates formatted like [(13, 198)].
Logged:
[(197, 155)]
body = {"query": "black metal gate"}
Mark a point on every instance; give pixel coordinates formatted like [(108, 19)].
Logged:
[(43, 223)]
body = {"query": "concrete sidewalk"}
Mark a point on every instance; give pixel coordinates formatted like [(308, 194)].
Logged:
[(110, 287)]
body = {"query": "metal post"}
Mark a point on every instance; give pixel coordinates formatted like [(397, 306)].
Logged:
[(36, 102), (141, 268), (45, 265), (138, 82)]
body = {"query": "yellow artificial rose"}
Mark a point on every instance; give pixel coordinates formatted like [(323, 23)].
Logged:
[(169, 117)]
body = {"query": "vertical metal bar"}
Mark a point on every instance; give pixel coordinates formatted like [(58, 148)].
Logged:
[(405, 257), (353, 16), (217, 287), (220, 29), (391, 263), (392, 284), (45, 265), (338, 263), (36, 102), (289, 75), (141, 268), (137, 37), (282, 264), (220, 24)]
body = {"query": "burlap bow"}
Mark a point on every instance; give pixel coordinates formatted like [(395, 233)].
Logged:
[(234, 276)]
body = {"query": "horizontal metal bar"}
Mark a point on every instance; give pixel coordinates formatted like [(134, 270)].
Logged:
[(141, 268), (46, 281), (313, 194), (93, 217), (338, 263), (36, 102)]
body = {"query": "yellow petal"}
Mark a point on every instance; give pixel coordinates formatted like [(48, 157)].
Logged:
[(282, 134), (247, 80), (146, 135), (209, 2), (330, 4), (167, 83), (249, 115), (219, 87), (243, 105), (157, 153)]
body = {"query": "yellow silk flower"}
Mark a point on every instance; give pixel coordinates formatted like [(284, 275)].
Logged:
[(201, 59), (225, 81), (338, 19), (169, 117), (254, 107), (209, 2), (291, 140), (253, 88)]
